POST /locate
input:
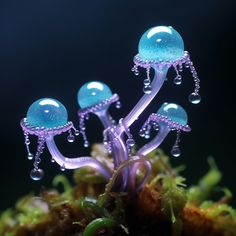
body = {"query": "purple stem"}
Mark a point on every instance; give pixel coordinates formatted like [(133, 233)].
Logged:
[(156, 142), (146, 149), (75, 163), (158, 80), (119, 148)]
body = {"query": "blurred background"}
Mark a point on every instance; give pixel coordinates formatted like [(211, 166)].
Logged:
[(51, 48)]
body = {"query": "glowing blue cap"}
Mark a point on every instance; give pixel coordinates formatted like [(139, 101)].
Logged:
[(161, 43), (93, 93), (47, 113), (174, 112)]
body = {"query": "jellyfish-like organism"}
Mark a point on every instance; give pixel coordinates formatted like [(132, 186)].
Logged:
[(159, 49), (170, 117), (47, 118), (95, 97)]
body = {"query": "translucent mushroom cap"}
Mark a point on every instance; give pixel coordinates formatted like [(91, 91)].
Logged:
[(174, 112), (93, 93), (161, 43), (47, 113)]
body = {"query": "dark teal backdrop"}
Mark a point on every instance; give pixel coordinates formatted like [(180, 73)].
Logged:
[(51, 48)]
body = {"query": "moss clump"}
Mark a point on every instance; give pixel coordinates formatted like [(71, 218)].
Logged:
[(165, 206)]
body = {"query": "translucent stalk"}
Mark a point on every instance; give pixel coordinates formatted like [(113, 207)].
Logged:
[(158, 80), (119, 148), (146, 149), (75, 163)]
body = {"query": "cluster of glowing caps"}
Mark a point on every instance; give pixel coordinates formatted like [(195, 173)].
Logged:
[(50, 113)]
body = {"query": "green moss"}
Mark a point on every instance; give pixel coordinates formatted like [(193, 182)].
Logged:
[(85, 208)]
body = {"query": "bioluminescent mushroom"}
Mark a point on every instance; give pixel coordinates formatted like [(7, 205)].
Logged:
[(95, 97), (46, 118), (160, 48), (169, 117)]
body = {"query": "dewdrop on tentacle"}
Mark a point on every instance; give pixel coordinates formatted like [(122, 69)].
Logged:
[(94, 97), (163, 47), (45, 117), (172, 116)]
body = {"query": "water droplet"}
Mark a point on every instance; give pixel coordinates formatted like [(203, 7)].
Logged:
[(118, 104), (146, 82), (36, 174), (52, 160), (156, 127), (194, 98), (62, 168), (27, 142), (136, 72), (147, 89), (71, 138), (141, 133), (105, 142), (76, 132), (130, 142), (175, 151), (86, 144), (177, 80), (147, 136), (30, 156)]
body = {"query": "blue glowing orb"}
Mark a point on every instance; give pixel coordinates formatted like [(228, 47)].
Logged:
[(174, 112), (93, 93), (161, 43), (47, 113)]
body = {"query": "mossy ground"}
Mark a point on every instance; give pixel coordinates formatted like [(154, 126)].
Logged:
[(165, 206)]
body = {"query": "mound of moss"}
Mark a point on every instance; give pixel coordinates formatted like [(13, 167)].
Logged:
[(165, 206)]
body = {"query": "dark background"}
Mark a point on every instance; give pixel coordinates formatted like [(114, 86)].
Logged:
[(50, 48)]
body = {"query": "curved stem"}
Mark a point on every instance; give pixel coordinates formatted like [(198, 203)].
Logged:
[(119, 149), (74, 163), (155, 143), (146, 149), (158, 80)]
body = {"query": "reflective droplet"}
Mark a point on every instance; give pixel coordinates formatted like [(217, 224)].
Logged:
[(71, 138), (62, 168), (105, 142), (194, 98), (37, 160), (86, 144), (76, 132), (147, 89), (146, 82), (178, 80), (130, 142), (175, 151), (147, 136), (118, 104), (141, 133), (27, 142), (156, 127), (36, 174), (52, 160), (30, 156)]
